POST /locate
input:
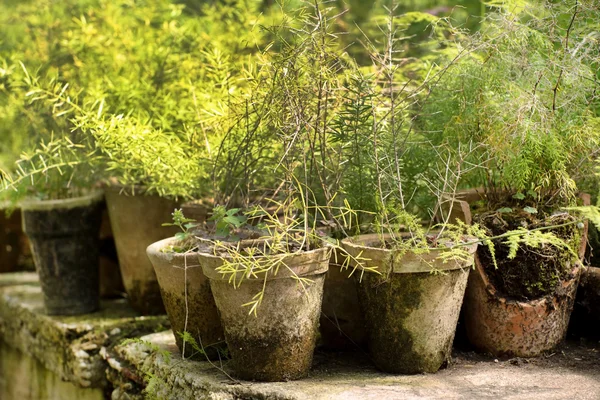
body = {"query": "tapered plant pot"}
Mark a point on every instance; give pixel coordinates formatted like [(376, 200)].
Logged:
[(136, 220), (500, 325), (278, 343), (188, 300), (111, 282), (64, 242), (196, 210), (11, 239), (410, 311), (342, 324)]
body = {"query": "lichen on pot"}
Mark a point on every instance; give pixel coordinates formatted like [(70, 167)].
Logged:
[(277, 341), (188, 300), (411, 307)]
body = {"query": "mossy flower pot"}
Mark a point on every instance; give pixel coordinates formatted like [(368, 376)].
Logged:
[(278, 343), (411, 307), (342, 324), (188, 299), (497, 324), (64, 237), (505, 327), (136, 219)]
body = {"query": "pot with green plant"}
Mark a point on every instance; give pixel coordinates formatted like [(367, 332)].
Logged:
[(411, 288), (136, 218), (55, 185), (533, 107), (186, 292), (268, 292), (498, 321), (64, 237)]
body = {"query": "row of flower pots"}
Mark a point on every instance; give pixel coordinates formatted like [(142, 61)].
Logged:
[(411, 313), (406, 314)]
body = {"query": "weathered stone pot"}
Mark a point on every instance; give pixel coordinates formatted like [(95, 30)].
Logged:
[(13, 241), (342, 325), (278, 343), (196, 210), (64, 242), (410, 312), (136, 220), (180, 276), (502, 326), (111, 282)]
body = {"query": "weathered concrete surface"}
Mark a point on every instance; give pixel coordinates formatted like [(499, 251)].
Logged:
[(40, 352), (67, 346), (565, 375), (24, 378)]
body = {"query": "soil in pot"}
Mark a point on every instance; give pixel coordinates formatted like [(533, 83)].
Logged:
[(506, 317), (410, 312), (65, 246), (278, 343), (136, 220), (188, 300), (534, 272)]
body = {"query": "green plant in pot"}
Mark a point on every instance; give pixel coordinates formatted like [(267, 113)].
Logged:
[(55, 187), (411, 277), (186, 292), (268, 291), (529, 95)]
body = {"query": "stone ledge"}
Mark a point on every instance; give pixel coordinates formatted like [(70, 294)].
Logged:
[(67, 346), (89, 351), (574, 372)]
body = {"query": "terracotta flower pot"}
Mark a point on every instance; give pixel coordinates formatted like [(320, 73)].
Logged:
[(342, 324), (180, 276), (410, 313), (136, 221), (502, 326), (278, 343)]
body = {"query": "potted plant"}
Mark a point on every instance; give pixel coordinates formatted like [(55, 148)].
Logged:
[(268, 292), (530, 103), (151, 109), (61, 211), (186, 292)]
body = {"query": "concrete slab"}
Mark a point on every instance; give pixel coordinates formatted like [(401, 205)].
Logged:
[(571, 373), (67, 346)]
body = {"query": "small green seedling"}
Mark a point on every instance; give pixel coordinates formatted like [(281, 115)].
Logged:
[(184, 237)]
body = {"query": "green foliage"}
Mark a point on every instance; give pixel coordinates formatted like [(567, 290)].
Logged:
[(526, 93), (227, 221), (534, 239), (185, 238)]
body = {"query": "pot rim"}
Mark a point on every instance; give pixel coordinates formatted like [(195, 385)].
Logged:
[(320, 264), (358, 241), (94, 196), (126, 190), (155, 250), (409, 261)]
